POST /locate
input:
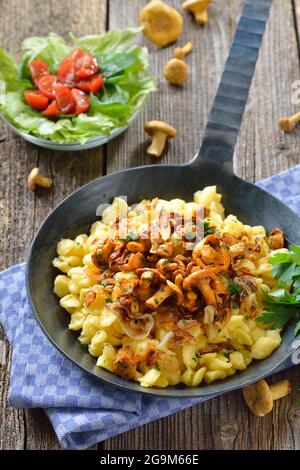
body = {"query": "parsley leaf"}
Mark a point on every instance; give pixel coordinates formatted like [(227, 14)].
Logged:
[(208, 230), (286, 266), (284, 303), (234, 289), (277, 314), (130, 237)]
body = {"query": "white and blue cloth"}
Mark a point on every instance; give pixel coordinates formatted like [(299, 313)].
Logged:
[(84, 410)]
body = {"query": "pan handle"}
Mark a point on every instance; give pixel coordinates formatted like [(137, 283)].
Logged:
[(226, 115)]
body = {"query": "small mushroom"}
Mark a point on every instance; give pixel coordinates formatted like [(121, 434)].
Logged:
[(35, 179), (181, 52), (198, 8), (162, 23), (136, 247), (287, 124), (260, 396), (176, 290), (144, 289), (159, 297), (176, 71), (160, 132), (276, 239)]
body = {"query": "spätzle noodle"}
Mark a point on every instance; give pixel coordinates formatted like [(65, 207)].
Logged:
[(167, 292)]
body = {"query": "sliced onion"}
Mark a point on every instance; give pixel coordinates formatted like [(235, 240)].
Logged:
[(185, 324), (166, 339), (209, 314), (139, 328), (208, 320)]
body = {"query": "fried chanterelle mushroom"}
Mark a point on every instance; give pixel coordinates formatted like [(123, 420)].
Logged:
[(198, 8), (260, 396), (160, 132), (162, 23)]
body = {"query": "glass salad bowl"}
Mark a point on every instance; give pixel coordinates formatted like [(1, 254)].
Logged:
[(71, 146)]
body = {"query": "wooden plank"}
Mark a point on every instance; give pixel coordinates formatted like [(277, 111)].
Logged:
[(262, 150), (21, 211), (185, 108)]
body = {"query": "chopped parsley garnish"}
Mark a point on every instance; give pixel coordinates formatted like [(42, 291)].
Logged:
[(284, 303), (108, 301), (190, 235), (208, 230), (130, 237), (234, 290)]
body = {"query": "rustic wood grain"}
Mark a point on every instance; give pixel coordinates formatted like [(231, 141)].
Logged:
[(262, 150), (187, 107), (21, 211)]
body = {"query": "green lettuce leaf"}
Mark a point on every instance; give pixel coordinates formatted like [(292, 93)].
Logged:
[(106, 43), (124, 68)]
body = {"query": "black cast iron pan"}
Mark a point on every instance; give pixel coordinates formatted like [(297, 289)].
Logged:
[(211, 166)]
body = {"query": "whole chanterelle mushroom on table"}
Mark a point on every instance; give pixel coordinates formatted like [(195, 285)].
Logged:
[(160, 132), (176, 71), (162, 23), (181, 52), (287, 124), (198, 8), (260, 396), (35, 179)]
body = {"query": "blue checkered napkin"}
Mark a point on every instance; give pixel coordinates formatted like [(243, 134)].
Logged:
[(286, 187), (83, 409)]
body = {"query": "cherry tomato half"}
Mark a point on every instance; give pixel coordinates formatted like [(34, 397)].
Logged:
[(66, 72), (76, 54), (86, 65), (36, 100), (52, 110), (64, 99), (93, 84), (82, 101), (38, 68), (46, 85)]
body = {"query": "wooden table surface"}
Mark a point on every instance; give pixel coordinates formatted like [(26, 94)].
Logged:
[(262, 150)]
